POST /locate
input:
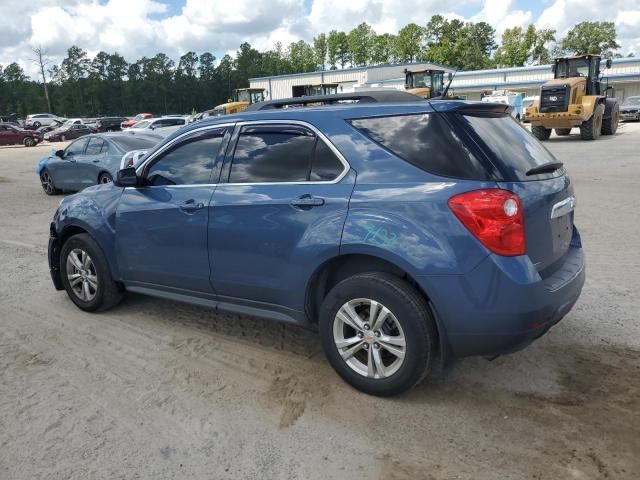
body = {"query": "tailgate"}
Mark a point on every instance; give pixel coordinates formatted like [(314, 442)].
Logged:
[(548, 211)]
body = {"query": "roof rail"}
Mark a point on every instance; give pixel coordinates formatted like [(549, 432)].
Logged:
[(362, 96)]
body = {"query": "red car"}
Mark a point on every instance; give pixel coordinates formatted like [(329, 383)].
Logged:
[(12, 135), (134, 120)]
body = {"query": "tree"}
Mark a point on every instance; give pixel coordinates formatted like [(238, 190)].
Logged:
[(320, 50), (338, 49), (383, 50), (539, 51), (360, 43), (467, 46), (42, 62), (597, 38), (409, 42)]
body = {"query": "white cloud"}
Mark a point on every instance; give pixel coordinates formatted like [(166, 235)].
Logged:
[(137, 28)]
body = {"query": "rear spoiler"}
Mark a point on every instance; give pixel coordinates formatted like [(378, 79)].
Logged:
[(472, 108)]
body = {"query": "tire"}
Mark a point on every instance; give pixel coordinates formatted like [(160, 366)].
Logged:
[(47, 183), (36, 125), (563, 132), (409, 321), (105, 178), (590, 130), (28, 142), (541, 133), (102, 292), (610, 125)]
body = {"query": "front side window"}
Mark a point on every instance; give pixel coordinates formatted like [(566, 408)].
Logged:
[(76, 148), (188, 163), (276, 154)]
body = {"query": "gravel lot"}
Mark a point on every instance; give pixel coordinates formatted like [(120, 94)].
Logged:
[(154, 389)]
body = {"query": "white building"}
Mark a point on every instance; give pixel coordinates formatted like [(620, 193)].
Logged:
[(624, 76)]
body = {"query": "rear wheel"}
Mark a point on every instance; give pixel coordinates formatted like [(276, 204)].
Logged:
[(86, 275), (47, 183), (37, 125), (563, 132), (590, 130), (28, 142), (610, 125), (105, 177), (378, 333), (541, 133)]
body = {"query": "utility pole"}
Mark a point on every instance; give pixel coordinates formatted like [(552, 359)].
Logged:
[(42, 61)]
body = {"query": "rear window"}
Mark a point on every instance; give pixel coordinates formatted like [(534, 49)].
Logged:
[(512, 149), (426, 141)]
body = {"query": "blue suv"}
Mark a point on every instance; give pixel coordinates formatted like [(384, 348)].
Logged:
[(405, 232)]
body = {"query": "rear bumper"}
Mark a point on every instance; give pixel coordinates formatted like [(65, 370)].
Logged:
[(503, 304)]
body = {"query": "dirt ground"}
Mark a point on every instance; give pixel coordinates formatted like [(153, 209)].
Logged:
[(154, 389)]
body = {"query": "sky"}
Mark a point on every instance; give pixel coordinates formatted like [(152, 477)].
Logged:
[(137, 28)]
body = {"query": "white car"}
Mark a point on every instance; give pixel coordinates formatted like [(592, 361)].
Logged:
[(161, 126), (38, 120)]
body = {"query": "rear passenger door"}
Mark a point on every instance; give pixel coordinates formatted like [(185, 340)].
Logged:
[(276, 214), (90, 164)]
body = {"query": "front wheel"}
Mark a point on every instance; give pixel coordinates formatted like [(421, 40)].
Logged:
[(86, 275), (541, 133), (37, 125), (28, 142), (378, 333), (105, 178), (47, 183)]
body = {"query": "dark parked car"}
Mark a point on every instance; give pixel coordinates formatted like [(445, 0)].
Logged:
[(50, 128), (630, 109), (89, 160), (68, 132), (404, 232), (12, 135), (109, 124)]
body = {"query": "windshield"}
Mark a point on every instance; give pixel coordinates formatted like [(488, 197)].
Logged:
[(138, 117), (635, 101), (144, 124), (242, 96), (575, 67)]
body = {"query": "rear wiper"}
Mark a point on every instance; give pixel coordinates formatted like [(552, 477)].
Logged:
[(545, 168)]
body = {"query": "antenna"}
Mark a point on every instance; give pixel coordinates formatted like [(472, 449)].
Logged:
[(446, 90)]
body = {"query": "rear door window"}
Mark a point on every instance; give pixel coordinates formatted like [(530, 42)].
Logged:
[(95, 146), (266, 154), (426, 141), (511, 148)]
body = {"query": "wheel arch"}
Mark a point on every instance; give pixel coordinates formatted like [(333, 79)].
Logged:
[(337, 268)]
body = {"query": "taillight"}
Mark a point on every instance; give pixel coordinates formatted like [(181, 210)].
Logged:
[(494, 217)]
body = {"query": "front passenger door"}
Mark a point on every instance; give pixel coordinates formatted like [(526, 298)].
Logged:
[(161, 226)]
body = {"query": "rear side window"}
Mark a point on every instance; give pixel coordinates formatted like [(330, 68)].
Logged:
[(95, 146), (189, 163), (273, 154), (427, 141), (512, 149)]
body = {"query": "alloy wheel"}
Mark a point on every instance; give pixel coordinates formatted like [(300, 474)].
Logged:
[(47, 182), (369, 338), (82, 276), (105, 178)]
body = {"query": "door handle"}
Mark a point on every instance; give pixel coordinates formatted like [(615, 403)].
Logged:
[(95, 161), (307, 201), (191, 206)]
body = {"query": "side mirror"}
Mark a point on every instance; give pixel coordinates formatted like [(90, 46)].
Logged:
[(127, 177), (608, 63), (57, 153), (151, 127)]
